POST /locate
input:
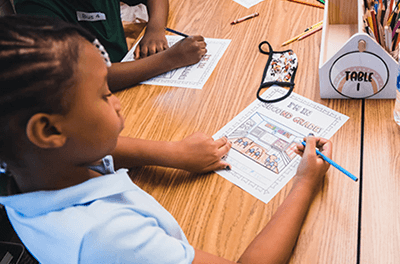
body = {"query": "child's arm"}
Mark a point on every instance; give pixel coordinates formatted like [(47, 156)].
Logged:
[(275, 242), (196, 153), (154, 39), (185, 52)]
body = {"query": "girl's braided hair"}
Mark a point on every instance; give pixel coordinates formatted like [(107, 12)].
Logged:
[(38, 58)]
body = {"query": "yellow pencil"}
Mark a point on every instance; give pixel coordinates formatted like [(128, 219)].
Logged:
[(307, 3), (369, 20), (308, 33), (314, 26), (305, 32)]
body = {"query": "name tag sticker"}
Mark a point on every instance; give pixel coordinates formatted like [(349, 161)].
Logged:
[(94, 16)]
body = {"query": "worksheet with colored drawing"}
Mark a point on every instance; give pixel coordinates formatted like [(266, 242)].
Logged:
[(193, 76), (264, 136)]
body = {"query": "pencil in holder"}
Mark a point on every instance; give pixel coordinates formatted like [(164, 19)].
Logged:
[(353, 65)]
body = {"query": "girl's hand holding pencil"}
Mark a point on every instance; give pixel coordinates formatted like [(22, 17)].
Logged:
[(324, 153), (186, 52), (189, 50), (312, 168)]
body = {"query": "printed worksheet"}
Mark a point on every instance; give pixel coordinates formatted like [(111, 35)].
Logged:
[(264, 136), (247, 3), (193, 76)]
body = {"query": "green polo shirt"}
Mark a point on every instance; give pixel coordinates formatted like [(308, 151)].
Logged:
[(101, 17)]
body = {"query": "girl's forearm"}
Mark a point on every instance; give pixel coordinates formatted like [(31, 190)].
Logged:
[(131, 152), (122, 75), (158, 14), (276, 241)]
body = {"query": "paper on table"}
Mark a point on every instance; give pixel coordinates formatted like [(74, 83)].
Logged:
[(193, 76), (263, 138), (248, 3)]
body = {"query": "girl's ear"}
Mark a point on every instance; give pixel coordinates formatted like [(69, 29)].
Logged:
[(43, 131)]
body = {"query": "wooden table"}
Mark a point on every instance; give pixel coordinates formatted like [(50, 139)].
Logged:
[(380, 216), (217, 216)]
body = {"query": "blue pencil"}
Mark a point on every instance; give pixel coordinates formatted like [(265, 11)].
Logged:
[(176, 32), (334, 164)]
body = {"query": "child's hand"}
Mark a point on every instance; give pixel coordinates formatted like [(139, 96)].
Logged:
[(188, 51), (151, 43), (201, 153), (312, 168)]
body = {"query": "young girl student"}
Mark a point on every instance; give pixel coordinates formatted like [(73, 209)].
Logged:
[(60, 130)]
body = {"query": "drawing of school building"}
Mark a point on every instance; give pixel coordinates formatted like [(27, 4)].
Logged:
[(265, 141)]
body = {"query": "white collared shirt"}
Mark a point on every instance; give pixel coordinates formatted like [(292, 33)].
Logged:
[(107, 219)]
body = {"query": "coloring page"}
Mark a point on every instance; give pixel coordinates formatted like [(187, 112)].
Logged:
[(264, 136), (193, 76)]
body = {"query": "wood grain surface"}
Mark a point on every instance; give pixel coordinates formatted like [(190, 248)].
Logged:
[(217, 216), (380, 241)]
